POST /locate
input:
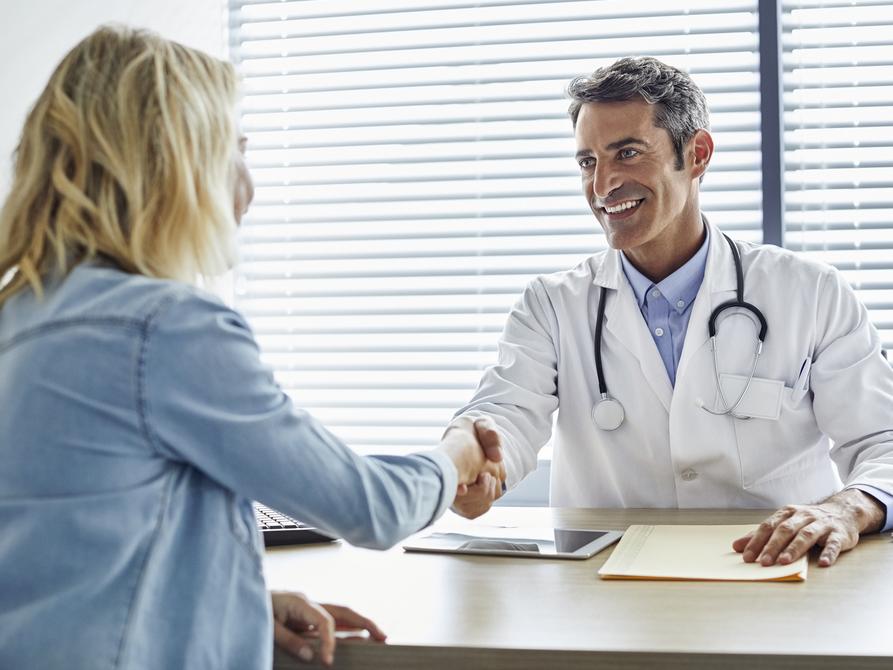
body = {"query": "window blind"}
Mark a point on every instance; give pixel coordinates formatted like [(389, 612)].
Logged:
[(414, 170), (838, 120)]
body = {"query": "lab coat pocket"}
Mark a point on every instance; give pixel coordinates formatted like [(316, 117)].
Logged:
[(761, 401), (776, 443)]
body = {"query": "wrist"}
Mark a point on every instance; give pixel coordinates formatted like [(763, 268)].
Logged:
[(459, 458), (868, 512), (458, 423)]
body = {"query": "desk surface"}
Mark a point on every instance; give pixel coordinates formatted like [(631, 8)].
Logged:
[(493, 612)]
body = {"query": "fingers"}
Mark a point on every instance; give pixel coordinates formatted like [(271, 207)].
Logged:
[(495, 488), (739, 544), (809, 535), (348, 619), (304, 614), (292, 642), (791, 532), (758, 539), (326, 627), (495, 470), (490, 486), (479, 498), (488, 438), (474, 447), (835, 543)]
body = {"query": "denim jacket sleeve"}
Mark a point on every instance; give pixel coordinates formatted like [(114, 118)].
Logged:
[(208, 400)]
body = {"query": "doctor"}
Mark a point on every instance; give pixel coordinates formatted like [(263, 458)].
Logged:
[(652, 411)]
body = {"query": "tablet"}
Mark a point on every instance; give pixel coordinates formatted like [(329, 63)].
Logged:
[(535, 543)]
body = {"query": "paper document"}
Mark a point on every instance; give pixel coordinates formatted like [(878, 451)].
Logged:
[(693, 553)]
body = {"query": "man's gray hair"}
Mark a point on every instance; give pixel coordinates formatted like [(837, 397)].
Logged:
[(679, 105)]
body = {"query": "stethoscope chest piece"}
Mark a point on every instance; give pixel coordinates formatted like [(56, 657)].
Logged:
[(608, 414)]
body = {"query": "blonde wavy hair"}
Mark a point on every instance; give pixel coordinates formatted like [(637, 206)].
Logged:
[(127, 153)]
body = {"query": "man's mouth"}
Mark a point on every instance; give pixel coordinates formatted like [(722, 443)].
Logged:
[(624, 207)]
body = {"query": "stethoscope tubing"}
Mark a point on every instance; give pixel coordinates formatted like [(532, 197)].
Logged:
[(608, 412)]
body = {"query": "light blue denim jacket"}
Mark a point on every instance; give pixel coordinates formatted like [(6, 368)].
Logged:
[(137, 425)]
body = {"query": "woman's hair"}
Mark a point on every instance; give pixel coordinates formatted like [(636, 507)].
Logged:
[(127, 153)]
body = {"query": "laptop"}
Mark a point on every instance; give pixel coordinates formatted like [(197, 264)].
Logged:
[(279, 529)]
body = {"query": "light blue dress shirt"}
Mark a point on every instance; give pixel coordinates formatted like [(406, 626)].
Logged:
[(666, 308), (138, 424), (666, 305)]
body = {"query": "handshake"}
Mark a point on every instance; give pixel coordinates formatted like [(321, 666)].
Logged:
[(475, 449)]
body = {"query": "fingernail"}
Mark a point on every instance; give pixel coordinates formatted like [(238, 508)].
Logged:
[(305, 654), (766, 559), (784, 558), (748, 556)]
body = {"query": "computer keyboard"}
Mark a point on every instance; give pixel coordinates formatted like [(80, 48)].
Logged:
[(279, 529)]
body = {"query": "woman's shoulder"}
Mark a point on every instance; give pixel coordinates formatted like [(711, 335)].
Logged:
[(98, 291)]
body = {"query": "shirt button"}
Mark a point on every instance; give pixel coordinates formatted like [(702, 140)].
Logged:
[(655, 293), (680, 304), (659, 332), (689, 475)]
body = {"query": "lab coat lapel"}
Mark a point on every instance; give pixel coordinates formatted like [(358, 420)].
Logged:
[(625, 322), (717, 287)]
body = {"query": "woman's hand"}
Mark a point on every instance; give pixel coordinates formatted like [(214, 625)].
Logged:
[(297, 620)]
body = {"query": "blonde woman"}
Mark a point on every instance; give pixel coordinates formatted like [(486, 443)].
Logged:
[(138, 422)]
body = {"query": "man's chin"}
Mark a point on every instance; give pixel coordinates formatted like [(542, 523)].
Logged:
[(621, 238)]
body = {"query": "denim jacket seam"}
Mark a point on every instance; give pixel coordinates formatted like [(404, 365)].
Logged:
[(61, 324), (135, 589), (142, 394)]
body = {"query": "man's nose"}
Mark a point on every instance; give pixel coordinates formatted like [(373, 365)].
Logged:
[(605, 181)]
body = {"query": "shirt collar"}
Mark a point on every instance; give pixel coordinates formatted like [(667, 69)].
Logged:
[(680, 288)]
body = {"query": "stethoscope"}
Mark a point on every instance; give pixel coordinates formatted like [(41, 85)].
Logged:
[(608, 413)]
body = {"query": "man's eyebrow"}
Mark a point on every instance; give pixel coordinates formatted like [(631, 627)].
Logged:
[(627, 141)]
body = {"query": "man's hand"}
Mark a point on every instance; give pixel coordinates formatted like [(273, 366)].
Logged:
[(479, 497), (297, 620), (476, 495), (476, 451), (834, 524)]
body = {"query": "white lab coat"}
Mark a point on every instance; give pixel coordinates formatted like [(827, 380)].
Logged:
[(822, 389)]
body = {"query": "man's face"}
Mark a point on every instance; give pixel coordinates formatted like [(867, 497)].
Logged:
[(629, 175)]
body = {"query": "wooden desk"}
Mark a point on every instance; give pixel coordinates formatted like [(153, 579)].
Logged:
[(518, 614)]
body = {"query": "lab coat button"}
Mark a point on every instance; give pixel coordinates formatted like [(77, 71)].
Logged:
[(689, 475)]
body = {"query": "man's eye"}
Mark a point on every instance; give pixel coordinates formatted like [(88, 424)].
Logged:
[(586, 163), (628, 153)]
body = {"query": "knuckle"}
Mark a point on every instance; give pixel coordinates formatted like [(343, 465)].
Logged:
[(809, 533)]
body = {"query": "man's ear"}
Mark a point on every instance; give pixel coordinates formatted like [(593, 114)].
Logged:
[(700, 149)]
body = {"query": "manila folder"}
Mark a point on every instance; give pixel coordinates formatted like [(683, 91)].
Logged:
[(691, 553)]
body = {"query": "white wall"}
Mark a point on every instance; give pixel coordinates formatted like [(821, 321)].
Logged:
[(36, 34)]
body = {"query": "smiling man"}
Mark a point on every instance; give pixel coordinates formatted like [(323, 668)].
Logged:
[(687, 369)]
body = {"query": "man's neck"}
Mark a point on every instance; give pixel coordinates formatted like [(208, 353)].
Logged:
[(661, 258)]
